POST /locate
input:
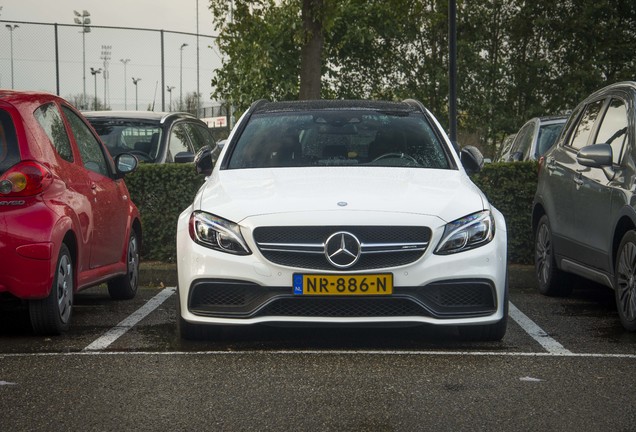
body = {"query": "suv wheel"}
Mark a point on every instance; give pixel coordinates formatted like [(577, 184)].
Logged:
[(625, 281), (52, 315), (552, 280)]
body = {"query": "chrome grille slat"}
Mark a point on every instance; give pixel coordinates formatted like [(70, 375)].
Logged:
[(304, 247)]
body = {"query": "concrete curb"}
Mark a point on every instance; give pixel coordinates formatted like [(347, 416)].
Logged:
[(157, 274)]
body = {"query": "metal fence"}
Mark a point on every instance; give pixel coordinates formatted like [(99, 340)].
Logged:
[(114, 68)]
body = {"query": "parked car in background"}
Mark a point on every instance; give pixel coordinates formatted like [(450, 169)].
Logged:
[(534, 138), (584, 214), (341, 213), (154, 137), (66, 218), (504, 148)]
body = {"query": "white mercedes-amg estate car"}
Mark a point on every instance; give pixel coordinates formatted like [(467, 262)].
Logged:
[(334, 212)]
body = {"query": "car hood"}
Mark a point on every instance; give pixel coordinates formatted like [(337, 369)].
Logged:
[(241, 193)]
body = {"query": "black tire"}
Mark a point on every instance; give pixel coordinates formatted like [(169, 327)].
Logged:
[(552, 281), (625, 281), (195, 332), (52, 315), (125, 287)]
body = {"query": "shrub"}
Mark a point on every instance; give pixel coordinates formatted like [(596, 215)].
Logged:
[(162, 192), (510, 187)]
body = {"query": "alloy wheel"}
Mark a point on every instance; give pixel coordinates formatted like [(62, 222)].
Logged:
[(626, 281)]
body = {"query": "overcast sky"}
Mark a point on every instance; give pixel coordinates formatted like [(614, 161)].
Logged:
[(34, 49), (175, 15)]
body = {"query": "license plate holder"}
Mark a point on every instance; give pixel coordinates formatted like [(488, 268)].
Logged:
[(343, 284)]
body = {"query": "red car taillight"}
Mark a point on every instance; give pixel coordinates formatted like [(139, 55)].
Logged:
[(25, 179)]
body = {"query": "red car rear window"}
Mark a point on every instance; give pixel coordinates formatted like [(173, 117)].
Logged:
[(9, 151)]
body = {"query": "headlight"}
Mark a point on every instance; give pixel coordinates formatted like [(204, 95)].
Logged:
[(467, 233), (217, 233)]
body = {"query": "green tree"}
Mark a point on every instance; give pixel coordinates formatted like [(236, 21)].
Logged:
[(516, 59)]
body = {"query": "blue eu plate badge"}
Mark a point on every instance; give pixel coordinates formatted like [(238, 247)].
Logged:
[(298, 284)]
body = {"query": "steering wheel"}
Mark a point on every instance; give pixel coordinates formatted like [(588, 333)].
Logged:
[(396, 155)]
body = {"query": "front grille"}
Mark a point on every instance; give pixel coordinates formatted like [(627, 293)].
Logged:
[(451, 299), (304, 247)]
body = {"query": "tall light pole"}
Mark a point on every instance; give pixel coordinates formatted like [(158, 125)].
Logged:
[(198, 94), (181, 77), (94, 72), (170, 88), (135, 81), (125, 62), (11, 27), (106, 50), (83, 20)]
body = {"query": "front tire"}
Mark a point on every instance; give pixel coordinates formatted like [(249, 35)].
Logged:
[(625, 281), (552, 280), (52, 315), (125, 287)]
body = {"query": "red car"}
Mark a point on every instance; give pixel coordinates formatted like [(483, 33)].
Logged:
[(66, 218)]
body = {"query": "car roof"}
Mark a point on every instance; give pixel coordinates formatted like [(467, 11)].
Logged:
[(160, 117), (337, 104)]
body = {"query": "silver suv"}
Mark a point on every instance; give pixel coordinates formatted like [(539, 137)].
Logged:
[(534, 139), (584, 216)]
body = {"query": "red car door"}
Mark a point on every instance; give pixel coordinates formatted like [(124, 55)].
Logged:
[(108, 198)]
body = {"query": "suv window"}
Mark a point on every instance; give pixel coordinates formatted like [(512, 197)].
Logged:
[(50, 119), (178, 142), (547, 137), (90, 149), (200, 136), (9, 152), (584, 128), (523, 143), (613, 129)]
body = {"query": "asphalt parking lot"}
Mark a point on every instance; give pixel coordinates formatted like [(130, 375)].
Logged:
[(564, 364)]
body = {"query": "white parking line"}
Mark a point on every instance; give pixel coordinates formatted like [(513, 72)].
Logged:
[(550, 345), (116, 332)]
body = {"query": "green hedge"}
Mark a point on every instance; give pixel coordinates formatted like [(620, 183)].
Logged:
[(510, 187), (162, 192)]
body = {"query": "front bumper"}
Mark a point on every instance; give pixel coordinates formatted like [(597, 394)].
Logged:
[(458, 289)]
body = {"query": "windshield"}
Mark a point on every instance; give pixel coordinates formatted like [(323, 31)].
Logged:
[(343, 138), (139, 138), (547, 137)]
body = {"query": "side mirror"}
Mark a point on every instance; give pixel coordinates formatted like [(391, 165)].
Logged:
[(125, 163), (206, 158), (597, 156), (184, 157), (472, 159)]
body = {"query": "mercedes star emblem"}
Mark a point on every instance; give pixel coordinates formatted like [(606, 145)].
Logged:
[(342, 249)]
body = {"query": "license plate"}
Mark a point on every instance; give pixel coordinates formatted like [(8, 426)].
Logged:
[(352, 285)]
